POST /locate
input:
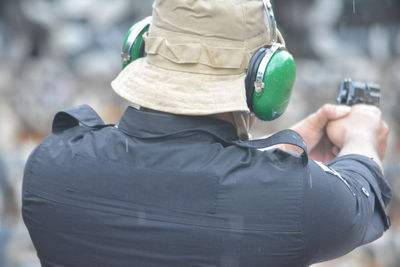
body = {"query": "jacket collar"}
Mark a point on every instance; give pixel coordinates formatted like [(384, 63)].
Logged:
[(152, 125)]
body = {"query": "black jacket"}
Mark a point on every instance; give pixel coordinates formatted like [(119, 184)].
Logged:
[(165, 190)]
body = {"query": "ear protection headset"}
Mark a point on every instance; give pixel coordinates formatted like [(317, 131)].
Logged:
[(270, 74)]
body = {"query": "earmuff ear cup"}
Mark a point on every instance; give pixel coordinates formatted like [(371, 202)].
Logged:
[(137, 49), (133, 46), (279, 78)]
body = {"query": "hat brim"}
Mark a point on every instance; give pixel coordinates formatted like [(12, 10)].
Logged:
[(179, 92)]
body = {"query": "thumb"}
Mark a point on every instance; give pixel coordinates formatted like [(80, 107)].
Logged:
[(328, 112), (334, 112)]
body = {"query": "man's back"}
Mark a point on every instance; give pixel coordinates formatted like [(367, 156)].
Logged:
[(164, 190)]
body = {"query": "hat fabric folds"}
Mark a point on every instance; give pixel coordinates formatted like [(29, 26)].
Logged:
[(197, 55)]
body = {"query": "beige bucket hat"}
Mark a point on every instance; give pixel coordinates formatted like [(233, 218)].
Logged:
[(197, 55)]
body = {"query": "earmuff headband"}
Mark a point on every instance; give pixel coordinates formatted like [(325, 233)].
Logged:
[(270, 74), (125, 55), (271, 20)]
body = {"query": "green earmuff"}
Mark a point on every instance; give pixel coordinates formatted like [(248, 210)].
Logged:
[(269, 81), (270, 75), (133, 47)]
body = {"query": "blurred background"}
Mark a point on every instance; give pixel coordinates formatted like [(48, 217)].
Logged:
[(60, 53)]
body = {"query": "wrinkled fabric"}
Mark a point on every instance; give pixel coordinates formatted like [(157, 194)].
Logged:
[(196, 52), (180, 92), (163, 190), (217, 34), (224, 19)]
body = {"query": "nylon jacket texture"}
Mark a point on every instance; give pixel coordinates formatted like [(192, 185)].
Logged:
[(164, 190)]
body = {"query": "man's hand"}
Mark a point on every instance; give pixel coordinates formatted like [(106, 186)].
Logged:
[(313, 131), (361, 132)]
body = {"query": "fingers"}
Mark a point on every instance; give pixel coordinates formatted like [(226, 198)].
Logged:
[(383, 139), (334, 112), (326, 113), (367, 107), (385, 128), (370, 111), (367, 117)]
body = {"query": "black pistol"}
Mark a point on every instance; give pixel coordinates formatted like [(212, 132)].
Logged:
[(353, 92)]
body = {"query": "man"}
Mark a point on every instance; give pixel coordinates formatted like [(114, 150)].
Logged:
[(177, 184)]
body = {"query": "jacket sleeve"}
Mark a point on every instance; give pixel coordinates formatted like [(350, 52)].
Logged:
[(344, 206)]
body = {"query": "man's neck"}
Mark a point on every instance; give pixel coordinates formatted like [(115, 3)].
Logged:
[(240, 125), (221, 116)]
